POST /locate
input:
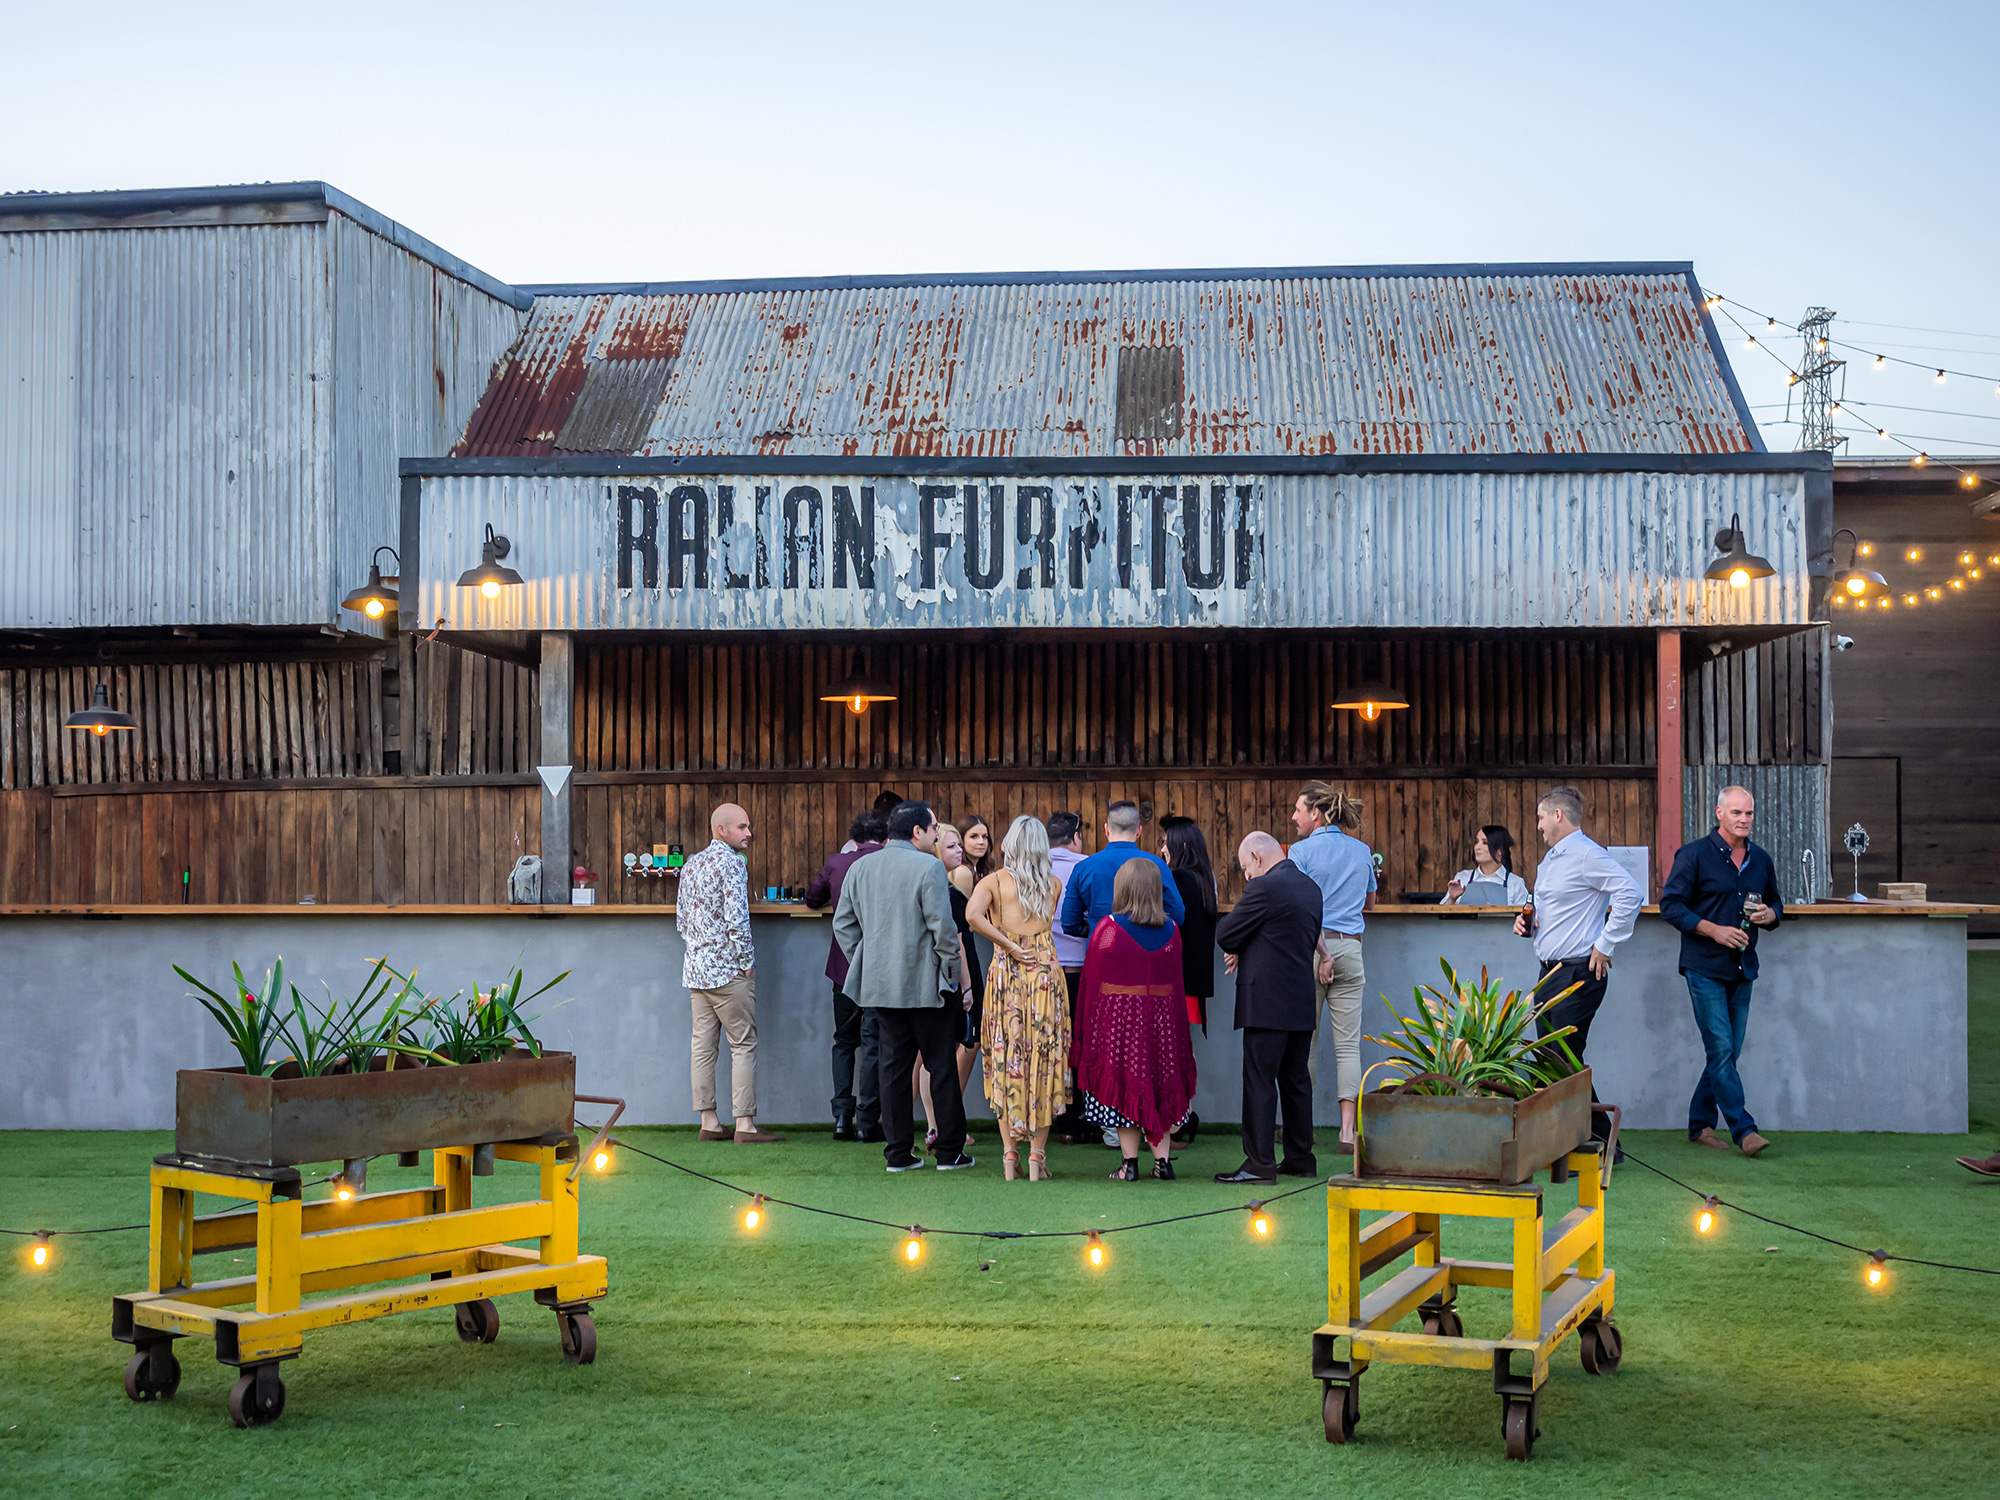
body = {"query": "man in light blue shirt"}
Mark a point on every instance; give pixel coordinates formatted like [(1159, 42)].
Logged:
[(1345, 870), (1087, 892)]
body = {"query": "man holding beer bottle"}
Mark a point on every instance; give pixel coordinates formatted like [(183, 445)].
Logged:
[(1722, 890)]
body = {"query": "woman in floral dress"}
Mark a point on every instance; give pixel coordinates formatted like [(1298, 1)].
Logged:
[(1024, 1043)]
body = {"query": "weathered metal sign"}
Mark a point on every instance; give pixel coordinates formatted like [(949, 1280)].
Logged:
[(817, 551)]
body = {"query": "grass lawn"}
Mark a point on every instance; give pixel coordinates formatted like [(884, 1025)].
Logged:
[(808, 1361)]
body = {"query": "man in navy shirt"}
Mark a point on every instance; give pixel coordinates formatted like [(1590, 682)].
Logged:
[(1087, 892), (1723, 888)]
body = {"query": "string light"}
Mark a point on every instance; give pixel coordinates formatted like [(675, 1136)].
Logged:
[(1969, 480), (1966, 559), (1915, 554), (1707, 1217), (1867, 549), (343, 1192), (913, 1246), (1957, 583), (1880, 361), (600, 1160), (42, 1253), (1878, 1275), (1934, 593), (1095, 1254), (1260, 1221), (1881, 432), (1770, 322), (753, 1216), (1920, 460), (1940, 377), (1909, 598)]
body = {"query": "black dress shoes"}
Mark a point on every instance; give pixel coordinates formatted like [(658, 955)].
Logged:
[(1245, 1175), (872, 1134), (1286, 1169), (844, 1128)]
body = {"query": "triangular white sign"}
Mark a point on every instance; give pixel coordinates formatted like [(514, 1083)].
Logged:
[(555, 778)]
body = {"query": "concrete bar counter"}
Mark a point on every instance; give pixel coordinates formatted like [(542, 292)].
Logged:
[(1858, 1021)]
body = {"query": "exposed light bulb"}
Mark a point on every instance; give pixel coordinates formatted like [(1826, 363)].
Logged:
[(913, 1249), (1940, 377), (1770, 322), (857, 704), (1880, 361), (1958, 583), (1972, 572), (1915, 554), (1966, 558), (1881, 432), (599, 1160), (490, 589), (1791, 377), (1839, 601), (753, 1216), (1909, 598), (1706, 1218), (1822, 343), (100, 730), (1935, 593), (1369, 711), (1867, 549), (1969, 480), (1739, 578), (1836, 406), (1095, 1252), (39, 1256), (1750, 341), (1260, 1222), (344, 1193), (1877, 1274), (372, 609), (1920, 460), (1857, 585)]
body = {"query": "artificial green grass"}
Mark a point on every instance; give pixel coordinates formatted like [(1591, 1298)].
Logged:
[(808, 1360)]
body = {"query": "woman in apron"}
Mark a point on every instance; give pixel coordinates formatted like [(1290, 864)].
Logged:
[(1491, 881)]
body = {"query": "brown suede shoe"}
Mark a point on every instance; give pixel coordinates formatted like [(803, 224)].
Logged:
[(1709, 1139), (756, 1137), (721, 1133), (1751, 1144), (1985, 1166)]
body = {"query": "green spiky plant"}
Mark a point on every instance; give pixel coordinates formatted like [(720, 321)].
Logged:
[(253, 1021), (1473, 1039), (488, 1026)]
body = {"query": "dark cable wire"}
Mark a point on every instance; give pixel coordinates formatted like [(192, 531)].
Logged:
[(984, 1234), (1908, 1260)]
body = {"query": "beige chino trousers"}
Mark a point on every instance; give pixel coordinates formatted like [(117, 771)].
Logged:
[(731, 1010), (1341, 978)]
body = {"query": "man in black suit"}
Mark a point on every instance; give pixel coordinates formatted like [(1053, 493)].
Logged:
[(1268, 943)]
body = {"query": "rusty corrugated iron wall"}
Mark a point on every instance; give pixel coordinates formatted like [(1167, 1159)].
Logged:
[(200, 424), (782, 551), (1374, 361)]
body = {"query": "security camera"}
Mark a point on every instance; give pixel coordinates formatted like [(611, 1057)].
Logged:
[(1843, 642)]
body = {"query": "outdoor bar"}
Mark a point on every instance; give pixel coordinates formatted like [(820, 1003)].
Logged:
[(1006, 543)]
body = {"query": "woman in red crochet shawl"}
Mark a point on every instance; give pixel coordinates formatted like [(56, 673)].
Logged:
[(1134, 1063)]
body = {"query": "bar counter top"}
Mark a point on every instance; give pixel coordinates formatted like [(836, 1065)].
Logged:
[(794, 909)]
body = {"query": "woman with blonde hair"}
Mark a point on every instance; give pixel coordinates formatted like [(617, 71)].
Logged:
[(1134, 1062), (1024, 1041)]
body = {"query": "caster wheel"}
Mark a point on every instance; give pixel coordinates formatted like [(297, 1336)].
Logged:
[(579, 1337), (1443, 1322), (478, 1322), (256, 1399), (1518, 1423), (144, 1383), (1601, 1347), (1340, 1409)]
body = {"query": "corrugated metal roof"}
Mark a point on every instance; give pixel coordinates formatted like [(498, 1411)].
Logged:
[(1479, 359)]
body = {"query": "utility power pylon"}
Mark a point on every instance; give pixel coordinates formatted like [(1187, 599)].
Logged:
[(1817, 369)]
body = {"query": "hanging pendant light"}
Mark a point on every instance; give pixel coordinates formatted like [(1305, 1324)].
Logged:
[(376, 597), (857, 691), (489, 577), (1737, 565), (100, 718), (1373, 694), (1853, 580)]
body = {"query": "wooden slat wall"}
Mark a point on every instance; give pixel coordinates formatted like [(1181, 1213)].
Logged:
[(198, 721), (476, 715), (1423, 826), (1764, 706), (1227, 700), (267, 720), (445, 845)]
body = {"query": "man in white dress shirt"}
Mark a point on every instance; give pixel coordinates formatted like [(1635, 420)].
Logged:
[(1585, 906)]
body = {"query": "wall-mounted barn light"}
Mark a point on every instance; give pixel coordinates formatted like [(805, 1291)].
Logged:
[(857, 692), (489, 577), (1854, 580), (1373, 694), (100, 718), (1737, 565), (376, 597)]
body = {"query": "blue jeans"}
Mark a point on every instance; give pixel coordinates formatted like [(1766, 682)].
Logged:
[(1721, 1013)]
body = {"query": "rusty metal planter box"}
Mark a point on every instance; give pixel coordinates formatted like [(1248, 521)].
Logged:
[(1474, 1140), (230, 1115)]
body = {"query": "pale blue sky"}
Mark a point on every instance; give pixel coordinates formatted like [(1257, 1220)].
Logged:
[(1797, 153)]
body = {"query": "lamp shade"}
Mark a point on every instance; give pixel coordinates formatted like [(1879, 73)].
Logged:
[(490, 577), (100, 718), (858, 692), (1737, 565), (1369, 699), (1855, 582), (375, 598)]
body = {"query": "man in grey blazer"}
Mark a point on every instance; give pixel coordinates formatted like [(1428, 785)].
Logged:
[(894, 924)]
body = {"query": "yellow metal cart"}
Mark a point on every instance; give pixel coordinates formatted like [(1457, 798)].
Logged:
[(303, 1249), (1557, 1278)]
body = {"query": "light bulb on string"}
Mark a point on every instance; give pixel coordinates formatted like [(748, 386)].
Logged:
[(1909, 598), (1880, 361), (1915, 554), (1867, 549), (41, 1253), (1770, 322), (1707, 1217), (1750, 341), (1095, 1253), (1822, 343), (1260, 1222), (1791, 377), (1840, 601), (1972, 572), (1966, 559), (1969, 480), (913, 1246), (1881, 432), (1878, 1275), (1956, 583), (753, 1216), (1940, 377), (600, 1159), (343, 1190), (1920, 460), (1934, 592)]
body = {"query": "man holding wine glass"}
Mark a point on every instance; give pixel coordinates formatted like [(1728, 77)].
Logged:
[(1723, 889)]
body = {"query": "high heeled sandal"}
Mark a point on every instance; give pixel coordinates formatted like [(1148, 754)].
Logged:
[(1038, 1166), (1163, 1169), (1010, 1163), (1128, 1170)]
